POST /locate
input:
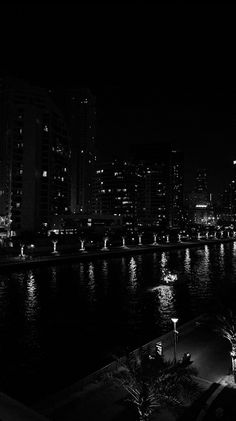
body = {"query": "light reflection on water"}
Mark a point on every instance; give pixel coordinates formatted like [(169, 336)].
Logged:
[(165, 304), (31, 302), (187, 261), (163, 260), (133, 273), (110, 301), (91, 283)]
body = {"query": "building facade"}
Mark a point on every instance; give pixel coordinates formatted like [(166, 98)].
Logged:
[(81, 116), (115, 190), (160, 185), (35, 163), (200, 201)]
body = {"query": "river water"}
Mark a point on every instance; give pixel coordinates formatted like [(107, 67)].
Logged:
[(59, 323)]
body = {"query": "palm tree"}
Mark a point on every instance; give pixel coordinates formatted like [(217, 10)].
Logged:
[(225, 326), (153, 383)]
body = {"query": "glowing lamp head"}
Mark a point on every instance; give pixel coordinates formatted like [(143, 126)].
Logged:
[(174, 320)]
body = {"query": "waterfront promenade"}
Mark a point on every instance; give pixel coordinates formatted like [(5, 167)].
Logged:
[(93, 399), (60, 257)]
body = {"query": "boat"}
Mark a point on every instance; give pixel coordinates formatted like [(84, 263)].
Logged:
[(168, 278)]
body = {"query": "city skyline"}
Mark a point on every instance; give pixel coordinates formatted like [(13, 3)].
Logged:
[(146, 75), (201, 128)]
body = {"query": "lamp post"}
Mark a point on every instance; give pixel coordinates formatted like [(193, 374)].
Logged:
[(105, 248), (175, 320), (123, 243), (54, 242)]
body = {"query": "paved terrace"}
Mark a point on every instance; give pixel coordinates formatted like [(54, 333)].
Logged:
[(61, 257), (91, 399)]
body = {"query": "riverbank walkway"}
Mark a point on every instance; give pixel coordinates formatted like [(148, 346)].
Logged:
[(60, 257), (92, 399)]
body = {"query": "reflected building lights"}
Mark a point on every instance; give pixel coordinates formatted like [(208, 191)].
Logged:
[(163, 260), (187, 261), (91, 271), (32, 297), (222, 250), (166, 303), (91, 282), (133, 273), (206, 248)]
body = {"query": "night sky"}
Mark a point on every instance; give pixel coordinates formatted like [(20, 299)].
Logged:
[(158, 73)]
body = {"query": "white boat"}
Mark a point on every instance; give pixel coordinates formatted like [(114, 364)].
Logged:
[(168, 277)]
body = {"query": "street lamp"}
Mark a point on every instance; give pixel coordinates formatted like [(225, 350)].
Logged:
[(175, 320)]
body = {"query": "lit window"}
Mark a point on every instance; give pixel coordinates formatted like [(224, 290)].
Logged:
[(45, 173)]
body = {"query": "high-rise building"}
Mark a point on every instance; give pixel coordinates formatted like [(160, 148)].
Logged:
[(233, 192), (81, 115), (200, 201), (176, 189), (35, 157), (152, 194), (160, 184), (116, 190), (201, 184)]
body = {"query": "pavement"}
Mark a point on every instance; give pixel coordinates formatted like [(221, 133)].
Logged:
[(99, 400)]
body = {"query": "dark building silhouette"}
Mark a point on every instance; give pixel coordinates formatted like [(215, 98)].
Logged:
[(81, 116), (35, 158)]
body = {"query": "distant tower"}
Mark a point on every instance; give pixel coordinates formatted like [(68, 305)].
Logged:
[(201, 181), (176, 193), (233, 191), (81, 118), (200, 201)]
